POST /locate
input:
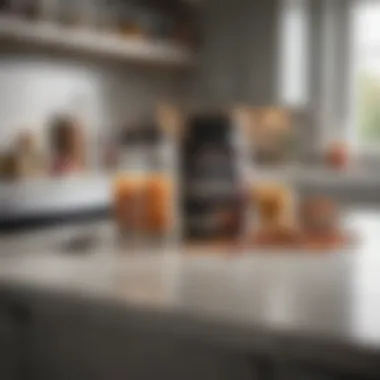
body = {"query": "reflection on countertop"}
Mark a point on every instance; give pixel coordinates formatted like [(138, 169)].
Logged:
[(333, 295)]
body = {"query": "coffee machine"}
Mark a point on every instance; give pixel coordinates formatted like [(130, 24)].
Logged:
[(211, 194)]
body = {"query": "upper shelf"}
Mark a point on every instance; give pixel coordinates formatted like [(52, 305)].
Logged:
[(77, 40)]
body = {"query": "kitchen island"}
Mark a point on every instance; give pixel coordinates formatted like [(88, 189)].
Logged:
[(114, 312)]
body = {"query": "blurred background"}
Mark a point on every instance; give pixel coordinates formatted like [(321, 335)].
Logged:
[(252, 126), (92, 90)]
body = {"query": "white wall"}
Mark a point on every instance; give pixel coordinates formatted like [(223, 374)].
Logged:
[(33, 88)]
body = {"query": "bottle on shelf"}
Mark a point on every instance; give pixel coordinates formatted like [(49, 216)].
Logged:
[(129, 25), (5, 7), (29, 9)]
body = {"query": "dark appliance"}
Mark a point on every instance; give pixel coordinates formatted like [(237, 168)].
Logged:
[(210, 182)]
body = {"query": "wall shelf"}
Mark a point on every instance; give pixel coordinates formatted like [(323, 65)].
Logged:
[(51, 37)]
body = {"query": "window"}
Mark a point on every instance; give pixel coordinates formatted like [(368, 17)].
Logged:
[(366, 22), (293, 63)]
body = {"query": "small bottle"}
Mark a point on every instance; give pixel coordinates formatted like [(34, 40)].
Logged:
[(5, 6), (30, 9)]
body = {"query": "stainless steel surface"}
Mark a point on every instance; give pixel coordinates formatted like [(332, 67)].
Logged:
[(334, 295)]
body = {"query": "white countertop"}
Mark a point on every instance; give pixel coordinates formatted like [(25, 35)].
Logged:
[(317, 174), (334, 294)]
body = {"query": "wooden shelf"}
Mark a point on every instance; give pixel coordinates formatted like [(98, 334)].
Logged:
[(76, 40)]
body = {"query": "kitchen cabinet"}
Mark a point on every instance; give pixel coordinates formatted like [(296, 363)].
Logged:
[(46, 335), (73, 338), (10, 345)]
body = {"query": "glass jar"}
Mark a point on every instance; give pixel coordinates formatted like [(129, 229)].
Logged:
[(143, 206)]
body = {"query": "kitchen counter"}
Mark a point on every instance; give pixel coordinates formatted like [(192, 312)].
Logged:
[(322, 309), (40, 196), (30, 197)]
